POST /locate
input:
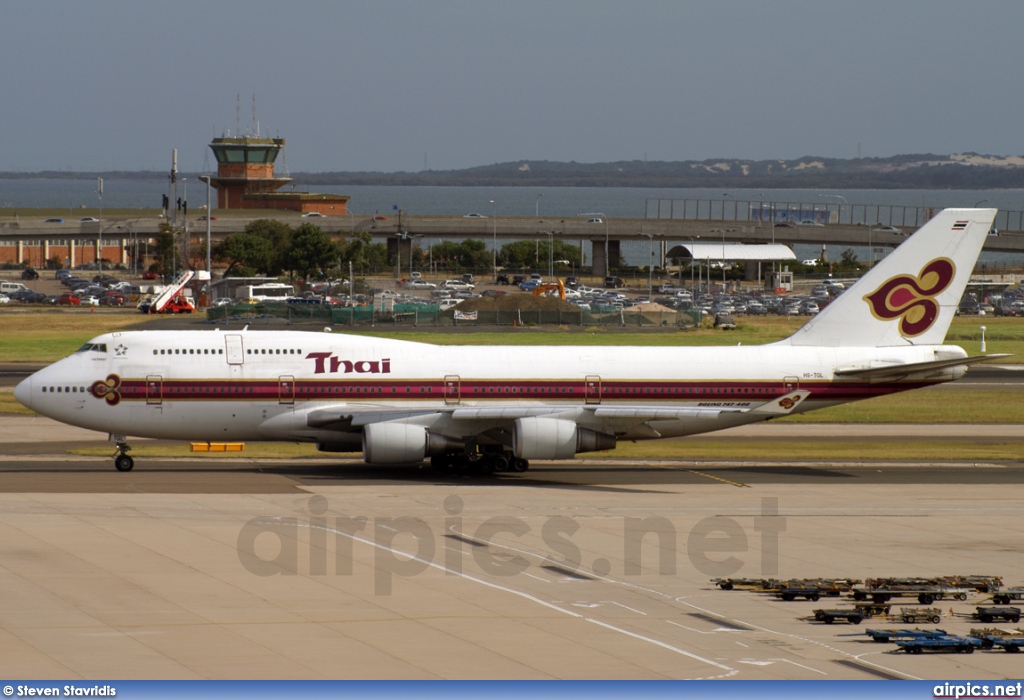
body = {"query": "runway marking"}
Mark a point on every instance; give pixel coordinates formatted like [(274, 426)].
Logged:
[(523, 594), (769, 662), (663, 645), (718, 478), (714, 631)]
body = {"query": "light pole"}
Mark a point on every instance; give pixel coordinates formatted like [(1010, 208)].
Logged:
[(99, 242), (537, 208), (494, 238), (650, 265), (551, 258), (209, 216)]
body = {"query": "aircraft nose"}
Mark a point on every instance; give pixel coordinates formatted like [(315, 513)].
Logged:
[(23, 392)]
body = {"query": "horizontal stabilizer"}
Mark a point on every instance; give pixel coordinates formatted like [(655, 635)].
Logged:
[(898, 370), (782, 405)]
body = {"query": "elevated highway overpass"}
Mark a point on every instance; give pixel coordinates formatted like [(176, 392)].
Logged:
[(31, 239)]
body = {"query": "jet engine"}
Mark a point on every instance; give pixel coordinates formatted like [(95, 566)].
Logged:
[(401, 443), (551, 438)]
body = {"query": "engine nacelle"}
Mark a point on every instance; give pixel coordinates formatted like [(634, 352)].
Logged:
[(551, 438), (401, 443)]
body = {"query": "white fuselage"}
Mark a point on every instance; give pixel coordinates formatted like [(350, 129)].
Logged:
[(239, 386)]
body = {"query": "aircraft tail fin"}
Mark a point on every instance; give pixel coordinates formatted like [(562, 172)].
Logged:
[(911, 296)]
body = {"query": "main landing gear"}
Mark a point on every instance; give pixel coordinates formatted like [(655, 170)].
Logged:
[(122, 462), (479, 464)]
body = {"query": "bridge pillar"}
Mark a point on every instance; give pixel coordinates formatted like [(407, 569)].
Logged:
[(602, 267), (399, 252)]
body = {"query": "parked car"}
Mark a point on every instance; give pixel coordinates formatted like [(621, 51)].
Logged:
[(4, 299), (29, 274), (53, 220), (68, 299), (30, 297), (529, 285), (313, 215), (612, 282), (458, 285), (502, 279), (420, 284)]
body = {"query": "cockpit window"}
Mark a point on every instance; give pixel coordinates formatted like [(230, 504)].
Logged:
[(93, 347)]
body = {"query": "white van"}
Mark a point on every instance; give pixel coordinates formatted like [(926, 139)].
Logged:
[(445, 304), (9, 288)]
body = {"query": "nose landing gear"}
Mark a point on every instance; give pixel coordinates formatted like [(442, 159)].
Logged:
[(122, 462)]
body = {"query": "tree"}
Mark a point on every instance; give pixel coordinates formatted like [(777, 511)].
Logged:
[(849, 263), (278, 234), (165, 248), (311, 252), (532, 254), (245, 252), (260, 249)]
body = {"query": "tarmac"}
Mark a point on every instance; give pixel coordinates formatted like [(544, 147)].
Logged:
[(584, 569)]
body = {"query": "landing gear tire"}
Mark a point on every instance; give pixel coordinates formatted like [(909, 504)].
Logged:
[(122, 462), (499, 463), (520, 465)]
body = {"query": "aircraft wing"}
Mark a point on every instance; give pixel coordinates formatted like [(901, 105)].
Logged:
[(351, 418)]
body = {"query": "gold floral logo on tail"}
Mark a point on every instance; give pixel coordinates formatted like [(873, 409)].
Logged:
[(912, 299), (788, 402), (109, 389)]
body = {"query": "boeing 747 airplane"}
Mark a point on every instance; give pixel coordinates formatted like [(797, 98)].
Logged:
[(494, 408)]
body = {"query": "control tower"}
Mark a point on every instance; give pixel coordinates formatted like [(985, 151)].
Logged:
[(245, 179), (245, 166)]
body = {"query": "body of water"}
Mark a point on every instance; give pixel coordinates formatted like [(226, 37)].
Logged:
[(548, 202)]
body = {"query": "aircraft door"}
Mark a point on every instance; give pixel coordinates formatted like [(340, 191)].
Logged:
[(791, 384), (234, 349), (592, 389), (286, 389), (154, 390), (452, 389)]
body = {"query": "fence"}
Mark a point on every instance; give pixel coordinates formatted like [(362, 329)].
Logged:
[(792, 212), (430, 315)]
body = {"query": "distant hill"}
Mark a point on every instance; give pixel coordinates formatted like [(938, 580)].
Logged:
[(911, 171)]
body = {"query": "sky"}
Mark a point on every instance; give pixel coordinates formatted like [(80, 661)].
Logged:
[(408, 85)]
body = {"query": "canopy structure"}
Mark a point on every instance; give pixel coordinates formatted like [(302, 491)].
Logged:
[(731, 252)]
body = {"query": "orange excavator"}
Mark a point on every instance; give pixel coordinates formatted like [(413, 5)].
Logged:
[(550, 287)]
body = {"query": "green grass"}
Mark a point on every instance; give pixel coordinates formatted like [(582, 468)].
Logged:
[(925, 406), (47, 336)]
